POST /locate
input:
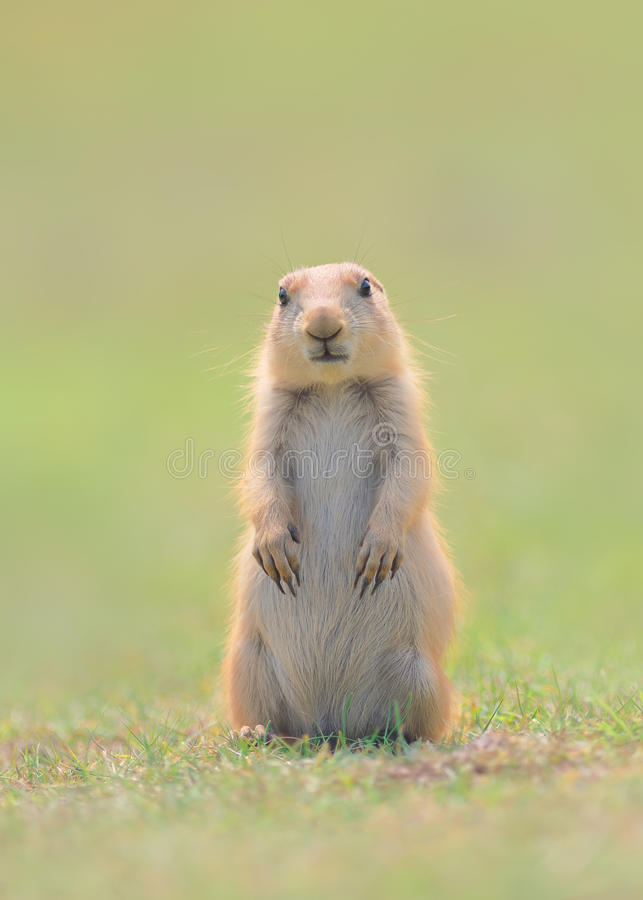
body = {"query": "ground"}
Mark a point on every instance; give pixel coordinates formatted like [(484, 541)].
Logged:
[(537, 793)]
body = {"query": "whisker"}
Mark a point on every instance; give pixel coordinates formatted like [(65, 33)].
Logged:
[(276, 264), (423, 319), (201, 352), (283, 243), (442, 318), (415, 337), (224, 366), (359, 243)]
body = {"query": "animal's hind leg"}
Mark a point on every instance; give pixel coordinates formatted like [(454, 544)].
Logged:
[(418, 695), (254, 695), (429, 712)]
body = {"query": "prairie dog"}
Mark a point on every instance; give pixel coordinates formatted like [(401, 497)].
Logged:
[(344, 595)]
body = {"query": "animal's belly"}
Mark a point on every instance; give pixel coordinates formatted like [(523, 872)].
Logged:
[(327, 640)]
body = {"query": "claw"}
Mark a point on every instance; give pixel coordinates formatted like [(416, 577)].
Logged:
[(379, 578), (360, 571), (294, 534), (294, 567), (257, 556), (290, 587), (365, 585), (397, 562)]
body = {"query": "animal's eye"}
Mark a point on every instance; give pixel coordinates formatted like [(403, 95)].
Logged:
[(365, 288), (283, 296)]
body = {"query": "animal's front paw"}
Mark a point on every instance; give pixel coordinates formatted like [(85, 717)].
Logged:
[(380, 552), (277, 552)]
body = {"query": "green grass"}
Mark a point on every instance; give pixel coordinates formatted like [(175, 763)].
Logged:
[(485, 160), (539, 794)]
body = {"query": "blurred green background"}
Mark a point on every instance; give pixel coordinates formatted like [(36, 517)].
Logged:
[(159, 165)]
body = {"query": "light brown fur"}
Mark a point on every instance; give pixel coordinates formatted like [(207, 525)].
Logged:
[(326, 656)]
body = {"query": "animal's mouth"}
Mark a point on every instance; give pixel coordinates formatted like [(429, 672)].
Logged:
[(328, 356)]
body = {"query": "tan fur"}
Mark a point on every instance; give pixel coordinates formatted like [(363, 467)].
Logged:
[(334, 657)]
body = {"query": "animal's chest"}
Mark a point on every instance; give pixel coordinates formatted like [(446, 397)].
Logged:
[(332, 459)]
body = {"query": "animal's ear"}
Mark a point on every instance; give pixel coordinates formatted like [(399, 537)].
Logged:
[(377, 284)]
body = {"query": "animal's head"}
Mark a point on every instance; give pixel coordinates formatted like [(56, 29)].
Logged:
[(332, 323)]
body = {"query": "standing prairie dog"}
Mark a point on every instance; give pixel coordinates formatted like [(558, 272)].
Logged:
[(344, 592)]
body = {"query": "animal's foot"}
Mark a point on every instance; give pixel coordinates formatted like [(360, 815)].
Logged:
[(257, 735)]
